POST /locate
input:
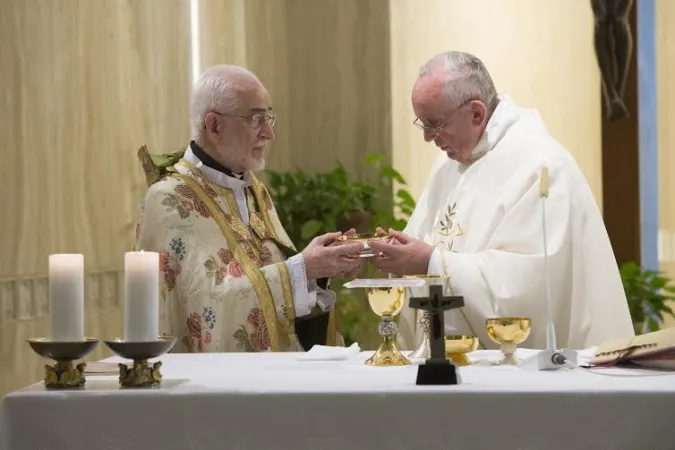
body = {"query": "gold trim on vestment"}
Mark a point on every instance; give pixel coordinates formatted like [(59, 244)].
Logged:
[(288, 294), (254, 274), (331, 332)]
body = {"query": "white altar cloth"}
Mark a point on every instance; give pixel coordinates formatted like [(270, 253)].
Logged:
[(275, 401)]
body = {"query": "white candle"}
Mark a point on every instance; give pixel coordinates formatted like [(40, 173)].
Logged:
[(66, 297), (141, 293)]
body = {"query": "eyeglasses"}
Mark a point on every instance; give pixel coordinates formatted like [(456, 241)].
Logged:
[(435, 129), (256, 120)]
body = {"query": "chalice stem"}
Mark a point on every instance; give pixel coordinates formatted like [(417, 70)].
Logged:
[(509, 351)]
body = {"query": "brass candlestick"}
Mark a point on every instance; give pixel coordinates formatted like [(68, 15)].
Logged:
[(141, 374), (64, 374)]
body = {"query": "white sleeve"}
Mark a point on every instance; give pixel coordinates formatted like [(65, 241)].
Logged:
[(304, 299)]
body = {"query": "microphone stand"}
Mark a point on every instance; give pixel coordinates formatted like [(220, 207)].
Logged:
[(551, 358)]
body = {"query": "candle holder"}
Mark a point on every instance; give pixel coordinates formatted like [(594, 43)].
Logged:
[(141, 374), (63, 374)]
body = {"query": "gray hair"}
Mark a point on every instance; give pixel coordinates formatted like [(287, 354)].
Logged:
[(466, 78), (217, 89)]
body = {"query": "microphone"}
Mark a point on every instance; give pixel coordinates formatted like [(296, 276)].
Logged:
[(551, 358)]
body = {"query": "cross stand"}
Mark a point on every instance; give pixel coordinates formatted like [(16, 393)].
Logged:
[(437, 370)]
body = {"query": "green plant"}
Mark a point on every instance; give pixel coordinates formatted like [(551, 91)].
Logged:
[(312, 204), (309, 205), (648, 293)]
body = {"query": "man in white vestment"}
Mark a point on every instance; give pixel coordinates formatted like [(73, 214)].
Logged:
[(479, 219)]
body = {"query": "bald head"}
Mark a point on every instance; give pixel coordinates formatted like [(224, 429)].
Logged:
[(219, 88)]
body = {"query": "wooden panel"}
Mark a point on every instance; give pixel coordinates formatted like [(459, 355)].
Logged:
[(83, 84), (621, 170)]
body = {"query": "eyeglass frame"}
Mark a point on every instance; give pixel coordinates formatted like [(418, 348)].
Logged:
[(270, 119), (436, 129)]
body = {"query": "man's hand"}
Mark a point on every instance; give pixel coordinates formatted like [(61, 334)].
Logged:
[(402, 256), (332, 261)]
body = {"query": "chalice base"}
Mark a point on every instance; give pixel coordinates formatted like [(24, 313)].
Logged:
[(64, 375), (388, 354), (423, 350), (460, 359), (509, 359), (141, 374), (437, 372)]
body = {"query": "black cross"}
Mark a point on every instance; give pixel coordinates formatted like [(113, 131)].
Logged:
[(436, 304)]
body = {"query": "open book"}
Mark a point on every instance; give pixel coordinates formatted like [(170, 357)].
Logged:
[(654, 350)]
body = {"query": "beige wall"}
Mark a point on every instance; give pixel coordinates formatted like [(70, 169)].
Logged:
[(665, 73), (82, 85), (540, 52)]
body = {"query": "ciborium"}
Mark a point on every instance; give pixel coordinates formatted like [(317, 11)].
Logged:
[(423, 350), (458, 346), (141, 373), (64, 374), (386, 297), (508, 332), (363, 239)]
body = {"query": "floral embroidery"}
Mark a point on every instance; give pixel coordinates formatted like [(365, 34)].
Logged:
[(235, 269), (173, 203), (258, 339), (243, 340), (196, 335), (225, 256), (170, 268), (185, 191), (178, 247), (218, 268), (215, 270), (265, 256), (209, 316), (450, 228)]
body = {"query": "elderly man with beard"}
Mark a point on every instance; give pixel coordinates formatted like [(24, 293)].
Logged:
[(231, 279)]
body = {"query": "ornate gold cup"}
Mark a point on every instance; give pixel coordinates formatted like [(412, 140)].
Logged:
[(508, 332), (363, 238), (424, 348), (141, 374), (387, 302), (456, 348), (64, 374)]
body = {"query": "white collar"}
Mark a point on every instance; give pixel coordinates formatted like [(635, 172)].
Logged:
[(504, 116), (216, 176)]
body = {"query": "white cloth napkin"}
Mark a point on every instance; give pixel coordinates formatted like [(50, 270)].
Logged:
[(327, 353)]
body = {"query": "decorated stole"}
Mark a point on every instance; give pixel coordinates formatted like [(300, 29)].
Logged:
[(251, 270)]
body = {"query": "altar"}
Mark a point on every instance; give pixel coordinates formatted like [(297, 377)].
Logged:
[(278, 401)]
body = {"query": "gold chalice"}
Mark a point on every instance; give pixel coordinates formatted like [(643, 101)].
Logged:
[(387, 302), (456, 348), (363, 238), (508, 332)]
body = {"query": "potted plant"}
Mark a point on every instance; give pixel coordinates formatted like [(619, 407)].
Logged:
[(648, 293), (312, 204)]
